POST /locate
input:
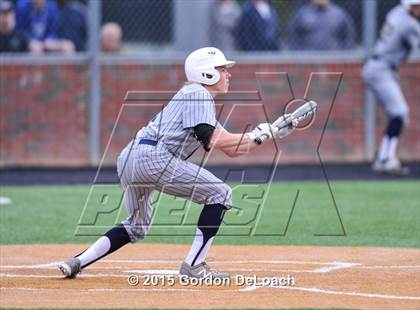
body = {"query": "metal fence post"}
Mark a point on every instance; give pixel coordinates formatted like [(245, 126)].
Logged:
[(369, 37), (190, 24), (95, 80)]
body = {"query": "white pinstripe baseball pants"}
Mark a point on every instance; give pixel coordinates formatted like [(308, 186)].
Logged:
[(147, 168)]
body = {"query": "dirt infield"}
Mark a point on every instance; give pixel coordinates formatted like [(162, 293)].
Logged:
[(374, 278)]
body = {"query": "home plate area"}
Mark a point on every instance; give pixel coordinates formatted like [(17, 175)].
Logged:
[(146, 275)]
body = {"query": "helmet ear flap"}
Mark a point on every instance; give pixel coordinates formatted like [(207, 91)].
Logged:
[(216, 76), (210, 77)]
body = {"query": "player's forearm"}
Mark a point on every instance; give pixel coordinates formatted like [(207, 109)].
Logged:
[(243, 149), (232, 144), (223, 139)]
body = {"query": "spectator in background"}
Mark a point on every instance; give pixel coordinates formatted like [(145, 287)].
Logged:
[(258, 27), (11, 40), (111, 36), (321, 25), (224, 16), (72, 24), (39, 21)]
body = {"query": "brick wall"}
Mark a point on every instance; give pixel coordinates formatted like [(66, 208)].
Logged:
[(45, 109), (44, 115)]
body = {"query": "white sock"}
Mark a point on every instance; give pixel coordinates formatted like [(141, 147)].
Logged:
[(196, 246), (392, 148), (383, 149), (96, 250)]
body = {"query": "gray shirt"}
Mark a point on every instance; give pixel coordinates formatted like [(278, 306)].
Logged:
[(399, 35), (315, 28), (174, 125)]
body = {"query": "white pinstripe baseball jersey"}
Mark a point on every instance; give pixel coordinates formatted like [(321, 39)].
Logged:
[(145, 168), (173, 126)]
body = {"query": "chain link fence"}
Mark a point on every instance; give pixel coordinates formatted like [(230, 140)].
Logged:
[(144, 24), (241, 25), (46, 98), (182, 25)]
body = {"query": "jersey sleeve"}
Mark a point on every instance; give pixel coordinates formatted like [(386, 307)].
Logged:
[(198, 109)]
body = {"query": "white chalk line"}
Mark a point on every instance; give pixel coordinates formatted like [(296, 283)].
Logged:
[(335, 266), (322, 291), (330, 266), (135, 261), (390, 267), (147, 272), (41, 276), (319, 270), (55, 264), (37, 266), (247, 289)]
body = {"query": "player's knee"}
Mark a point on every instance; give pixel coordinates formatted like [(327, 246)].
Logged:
[(394, 126), (405, 115), (136, 232), (400, 114), (223, 196), (227, 196), (137, 235)]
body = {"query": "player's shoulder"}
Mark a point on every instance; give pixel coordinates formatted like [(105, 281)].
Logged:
[(400, 17), (400, 14), (191, 89)]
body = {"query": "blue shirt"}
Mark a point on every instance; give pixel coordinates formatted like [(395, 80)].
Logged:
[(256, 33), (73, 24), (37, 24)]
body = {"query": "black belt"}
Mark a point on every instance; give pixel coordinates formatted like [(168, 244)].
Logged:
[(148, 142)]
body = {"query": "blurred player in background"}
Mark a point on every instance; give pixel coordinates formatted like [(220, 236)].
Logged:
[(399, 36)]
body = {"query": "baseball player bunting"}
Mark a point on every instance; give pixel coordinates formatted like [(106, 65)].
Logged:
[(156, 160)]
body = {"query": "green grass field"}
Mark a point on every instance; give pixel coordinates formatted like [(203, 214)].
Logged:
[(372, 213)]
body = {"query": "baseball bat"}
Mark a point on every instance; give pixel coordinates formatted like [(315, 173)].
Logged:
[(300, 113)]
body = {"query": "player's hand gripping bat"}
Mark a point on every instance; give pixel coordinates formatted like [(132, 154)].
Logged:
[(299, 114)]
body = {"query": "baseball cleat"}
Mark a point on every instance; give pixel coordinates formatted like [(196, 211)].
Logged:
[(70, 268), (378, 166), (201, 270), (391, 166)]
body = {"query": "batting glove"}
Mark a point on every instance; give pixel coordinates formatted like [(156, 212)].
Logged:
[(264, 129)]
